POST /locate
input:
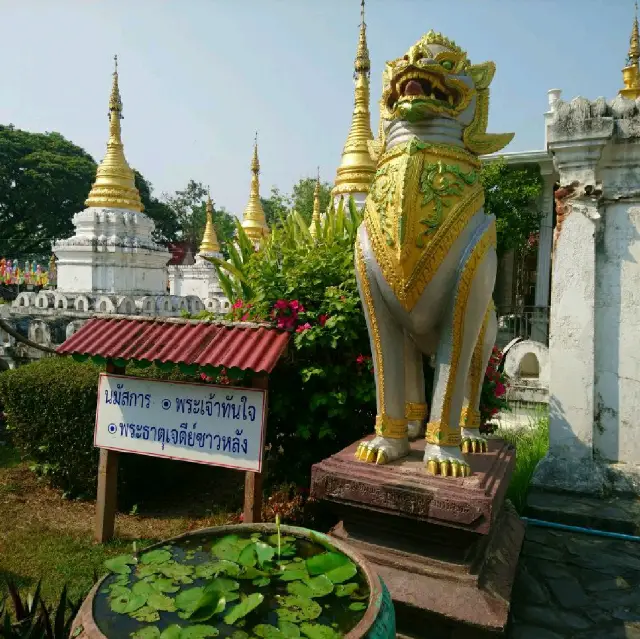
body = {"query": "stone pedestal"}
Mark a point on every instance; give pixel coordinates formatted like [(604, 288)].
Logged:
[(447, 548)]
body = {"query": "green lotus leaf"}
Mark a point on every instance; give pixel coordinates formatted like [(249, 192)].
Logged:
[(142, 588), (177, 572), (251, 573), (239, 634), (223, 585), (211, 603), (146, 614), (126, 602), (294, 575), (244, 608), (190, 554), (199, 632), (117, 589), (155, 557), (319, 631), (148, 570), (208, 570), (324, 562), (287, 550), (289, 630), (261, 582), (188, 599), (344, 590), (299, 589), (148, 632), (264, 552), (296, 609), (158, 601), (342, 573), (268, 632), (358, 605), (248, 556), (229, 548), (120, 564), (172, 632), (273, 539), (162, 584)]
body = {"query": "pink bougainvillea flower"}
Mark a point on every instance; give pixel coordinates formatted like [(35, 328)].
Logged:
[(245, 317), (281, 305), (303, 327), (500, 389), (238, 304), (322, 319)]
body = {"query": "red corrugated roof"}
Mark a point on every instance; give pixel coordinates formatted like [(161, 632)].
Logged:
[(162, 340)]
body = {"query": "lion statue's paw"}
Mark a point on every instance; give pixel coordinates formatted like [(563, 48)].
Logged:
[(382, 450), (446, 461), (472, 441), (415, 428)]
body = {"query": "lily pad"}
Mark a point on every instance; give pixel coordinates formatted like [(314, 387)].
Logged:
[(120, 564), (268, 632), (244, 608), (148, 570), (155, 557), (296, 609), (294, 575), (319, 631), (251, 573), (158, 601), (273, 539), (178, 572), (162, 584), (199, 632), (264, 552), (127, 602), (261, 582), (318, 586), (227, 548), (289, 630), (342, 573), (358, 605), (172, 632), (148, 632), (325, 562), (146, 614), (344, 590), (248, 556), (188, 599), (211, 602), (208, 570), (239, 634), (142, 588)]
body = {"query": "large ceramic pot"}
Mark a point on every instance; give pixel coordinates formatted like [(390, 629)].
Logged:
[(378, 621)]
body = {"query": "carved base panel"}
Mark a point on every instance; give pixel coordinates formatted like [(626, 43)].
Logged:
[(447, 548), (403, 488)]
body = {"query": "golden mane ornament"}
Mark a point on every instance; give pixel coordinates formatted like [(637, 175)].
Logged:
[(425, 255)]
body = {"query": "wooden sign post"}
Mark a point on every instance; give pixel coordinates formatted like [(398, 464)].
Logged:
[(202, 423)]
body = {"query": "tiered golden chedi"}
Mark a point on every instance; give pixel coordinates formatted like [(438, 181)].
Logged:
[(115, 183), (357, 168), (209, 239), (254, 221), (631, 73), (314, 228)]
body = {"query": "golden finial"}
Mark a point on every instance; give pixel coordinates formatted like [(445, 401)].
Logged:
[(357, 168), (315, 218), (631, 73), (115, 185), (254, 221), (209, 238)]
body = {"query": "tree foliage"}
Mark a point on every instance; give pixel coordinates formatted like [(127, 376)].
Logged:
[(166, 225), (511, 195), (302, 197), (276, 206), (44, 181)]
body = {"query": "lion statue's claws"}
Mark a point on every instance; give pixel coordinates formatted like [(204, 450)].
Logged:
[(446, 461), (415, 428), (382, 450), (473, 442)]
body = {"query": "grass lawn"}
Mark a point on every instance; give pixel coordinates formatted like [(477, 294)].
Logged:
[(532, 444), (45, 536)]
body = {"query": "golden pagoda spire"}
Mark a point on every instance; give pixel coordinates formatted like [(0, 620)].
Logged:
[(115, 184), (631, 73), (314, 227), (254, 221), (357, 168), (209, 238)]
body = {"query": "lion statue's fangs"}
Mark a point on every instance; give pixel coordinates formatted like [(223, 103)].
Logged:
[(425, 255)]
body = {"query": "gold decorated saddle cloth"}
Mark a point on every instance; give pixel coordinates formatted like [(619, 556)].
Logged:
[(421, 198)]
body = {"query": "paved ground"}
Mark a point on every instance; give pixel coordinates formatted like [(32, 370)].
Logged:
[(576, 586)]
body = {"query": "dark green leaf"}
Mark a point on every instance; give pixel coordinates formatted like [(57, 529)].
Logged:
[(243, 608)]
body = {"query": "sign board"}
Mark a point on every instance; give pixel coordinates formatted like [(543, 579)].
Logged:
[(202, 423)]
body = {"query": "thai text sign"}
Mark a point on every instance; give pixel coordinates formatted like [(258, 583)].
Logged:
[(216, 425)]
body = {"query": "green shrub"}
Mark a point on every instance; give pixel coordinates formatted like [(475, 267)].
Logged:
[(50, 407)]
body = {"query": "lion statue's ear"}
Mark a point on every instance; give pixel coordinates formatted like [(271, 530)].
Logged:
[(475, 136)]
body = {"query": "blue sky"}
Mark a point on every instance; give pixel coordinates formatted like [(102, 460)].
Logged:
[(198, 77)]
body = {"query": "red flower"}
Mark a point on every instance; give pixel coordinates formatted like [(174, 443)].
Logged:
[(245, 317), (238, 304), (303, 327), (241, 516), (296, 307), (494, 411), (322, 319), (500, 389), (361, 359), (281, 305)]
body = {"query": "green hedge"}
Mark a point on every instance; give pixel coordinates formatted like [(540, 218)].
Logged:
[(50, 407)]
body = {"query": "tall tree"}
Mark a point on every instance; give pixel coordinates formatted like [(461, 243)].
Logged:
[(44, 181), (276, 206), (166, 224), (302, 197), (511, 195)]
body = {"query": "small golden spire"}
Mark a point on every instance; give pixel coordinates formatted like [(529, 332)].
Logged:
[(115, 185), (314, 227), (254, 221), (357, 168), (209, 238), (631, 73)]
